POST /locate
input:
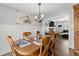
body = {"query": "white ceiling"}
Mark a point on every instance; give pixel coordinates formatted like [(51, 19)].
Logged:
[(47, 9)]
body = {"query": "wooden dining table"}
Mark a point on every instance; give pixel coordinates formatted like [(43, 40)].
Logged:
[(30, 50)]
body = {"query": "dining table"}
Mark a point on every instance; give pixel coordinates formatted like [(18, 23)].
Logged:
[(32, 49)]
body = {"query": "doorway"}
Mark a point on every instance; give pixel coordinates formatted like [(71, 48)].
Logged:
[(62, 28)]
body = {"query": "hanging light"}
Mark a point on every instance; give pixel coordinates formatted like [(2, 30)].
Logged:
[(40, 16)]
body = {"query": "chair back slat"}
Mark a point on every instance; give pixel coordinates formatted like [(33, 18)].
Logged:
[(26, 33)]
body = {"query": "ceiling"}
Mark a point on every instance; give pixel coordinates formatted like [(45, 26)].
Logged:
[(48, 9)]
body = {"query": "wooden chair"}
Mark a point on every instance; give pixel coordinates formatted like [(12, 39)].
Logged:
[(26, 34), (45, 43), (38, 34), (12, 43), (53, 37), (53, 43)]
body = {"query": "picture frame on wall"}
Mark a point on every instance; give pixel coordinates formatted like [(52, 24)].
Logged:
[(22, 18)]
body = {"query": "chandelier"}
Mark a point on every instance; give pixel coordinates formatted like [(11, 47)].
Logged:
[(40, 16)]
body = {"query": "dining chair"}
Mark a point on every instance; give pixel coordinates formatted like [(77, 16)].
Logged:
[(12, 43), (53, 37), (26, 34), (38, 34), (53, 42), (45, 44)]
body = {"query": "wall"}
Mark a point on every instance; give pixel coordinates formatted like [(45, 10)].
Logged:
[(7, 15), (8, 27), (71, 28), (64, 24)]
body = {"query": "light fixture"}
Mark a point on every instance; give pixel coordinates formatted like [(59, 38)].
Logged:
[(40, 16)]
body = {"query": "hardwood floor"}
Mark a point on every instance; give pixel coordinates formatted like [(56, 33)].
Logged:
[(61, 47)]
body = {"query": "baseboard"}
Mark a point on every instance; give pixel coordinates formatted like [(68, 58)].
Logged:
[(5, 54)]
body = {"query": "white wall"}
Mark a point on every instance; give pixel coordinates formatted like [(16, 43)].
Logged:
[(71, 29), (62, 20), (65, 25), (8, 27), (7, 15)]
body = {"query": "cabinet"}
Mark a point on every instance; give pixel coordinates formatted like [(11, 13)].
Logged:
[(76, 26)]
